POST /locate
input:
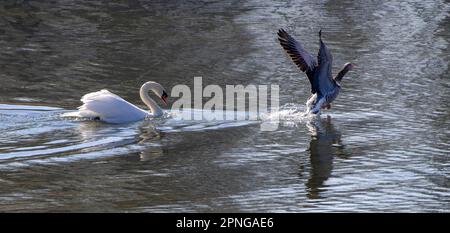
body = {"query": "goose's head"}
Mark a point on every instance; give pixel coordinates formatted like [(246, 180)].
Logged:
[(349, 66)]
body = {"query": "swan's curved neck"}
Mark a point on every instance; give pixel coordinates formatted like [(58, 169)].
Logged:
[(143, 92)]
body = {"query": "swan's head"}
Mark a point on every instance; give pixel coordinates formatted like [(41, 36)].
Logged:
[(158, 89)]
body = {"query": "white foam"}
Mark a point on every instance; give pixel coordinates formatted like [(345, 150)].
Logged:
[(291, 115)]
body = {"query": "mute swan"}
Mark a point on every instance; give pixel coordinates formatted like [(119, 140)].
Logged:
[(108, 107), (324, 87)]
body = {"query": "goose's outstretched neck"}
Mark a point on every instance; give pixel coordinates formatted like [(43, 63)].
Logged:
[(143, 92), (347, 67)]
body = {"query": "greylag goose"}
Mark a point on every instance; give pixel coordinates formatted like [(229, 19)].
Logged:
[(324, 87)]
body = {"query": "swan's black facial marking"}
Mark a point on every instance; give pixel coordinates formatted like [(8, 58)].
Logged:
[(164, 97)]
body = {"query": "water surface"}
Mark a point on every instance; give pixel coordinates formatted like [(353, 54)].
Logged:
[(384, 145)]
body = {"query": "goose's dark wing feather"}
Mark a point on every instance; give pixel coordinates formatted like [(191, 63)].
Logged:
[(298, 54), (323, 80)]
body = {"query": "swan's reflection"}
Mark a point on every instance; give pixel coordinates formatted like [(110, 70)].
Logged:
[(324, 145), (150, 135), (141, 136)]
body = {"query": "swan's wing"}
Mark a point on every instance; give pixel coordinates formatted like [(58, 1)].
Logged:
[(304, 60), (323, 80), (109, 107)]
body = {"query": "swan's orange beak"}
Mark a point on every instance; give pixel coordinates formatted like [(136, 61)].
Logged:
[(164, 100)]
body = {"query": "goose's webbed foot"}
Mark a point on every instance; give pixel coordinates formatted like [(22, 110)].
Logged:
[(326, 106)]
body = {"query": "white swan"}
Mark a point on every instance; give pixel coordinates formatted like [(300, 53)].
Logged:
[(111, 108)]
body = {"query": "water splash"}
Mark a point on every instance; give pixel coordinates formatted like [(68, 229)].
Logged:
[(291, 114)]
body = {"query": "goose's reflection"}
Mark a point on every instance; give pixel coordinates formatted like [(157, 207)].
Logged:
[(324, 145)]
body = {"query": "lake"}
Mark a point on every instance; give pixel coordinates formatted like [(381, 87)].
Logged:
[(384, 146)]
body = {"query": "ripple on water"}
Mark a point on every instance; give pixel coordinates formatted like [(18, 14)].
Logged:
[(85, 139)]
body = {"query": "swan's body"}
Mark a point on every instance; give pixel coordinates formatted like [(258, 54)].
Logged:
[(324, 87), (111, 108)]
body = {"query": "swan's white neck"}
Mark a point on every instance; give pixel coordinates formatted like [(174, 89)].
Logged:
[(151, 104)]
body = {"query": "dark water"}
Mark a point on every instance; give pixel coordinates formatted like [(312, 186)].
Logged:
[(384, 145)]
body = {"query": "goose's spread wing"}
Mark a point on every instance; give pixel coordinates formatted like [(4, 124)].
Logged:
[(298, 54), (323, 81), (109, 107)]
